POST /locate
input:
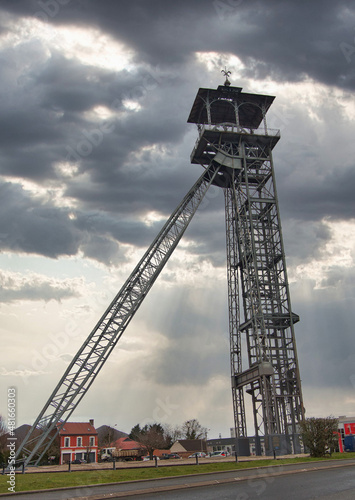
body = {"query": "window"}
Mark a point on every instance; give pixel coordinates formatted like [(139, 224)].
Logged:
[(79, 441), (92, 441), (66, 442)]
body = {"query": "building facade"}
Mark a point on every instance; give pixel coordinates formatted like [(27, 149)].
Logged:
[(346, 428), (78, 441), (186, 447)]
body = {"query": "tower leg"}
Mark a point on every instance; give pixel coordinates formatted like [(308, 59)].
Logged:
[(234, 313)]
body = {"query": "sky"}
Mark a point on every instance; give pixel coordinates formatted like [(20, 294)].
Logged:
[(95, 155)]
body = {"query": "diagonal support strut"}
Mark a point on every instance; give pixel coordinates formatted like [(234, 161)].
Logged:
[(90, 358)]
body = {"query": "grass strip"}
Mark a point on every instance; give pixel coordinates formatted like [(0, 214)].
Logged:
[(27, 482)]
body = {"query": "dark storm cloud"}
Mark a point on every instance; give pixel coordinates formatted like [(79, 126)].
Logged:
[(288, 40), (43, 126), (99, 227), (36, 226), (38, 117), (325, 340), (331, 193), (313, 236), (47, 105), (291, 40), (43, 121)]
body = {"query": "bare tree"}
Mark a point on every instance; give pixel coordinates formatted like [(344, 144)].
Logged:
[(151, 437), (319, 435), (3, 439), (87, 453), (107, 439), (52, 455), (192, 429), (172, 434)]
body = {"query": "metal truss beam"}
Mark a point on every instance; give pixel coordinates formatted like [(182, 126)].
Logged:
[(89, 360)]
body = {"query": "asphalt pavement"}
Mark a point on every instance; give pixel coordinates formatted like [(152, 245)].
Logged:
[(333, 484), (254, 479)]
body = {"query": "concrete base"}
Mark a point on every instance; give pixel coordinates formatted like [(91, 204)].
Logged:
[(281, 444), (243, 447)]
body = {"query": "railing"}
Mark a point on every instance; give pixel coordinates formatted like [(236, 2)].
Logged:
[(234, 128)]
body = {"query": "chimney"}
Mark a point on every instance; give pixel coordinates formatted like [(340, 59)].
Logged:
[(91, 422)]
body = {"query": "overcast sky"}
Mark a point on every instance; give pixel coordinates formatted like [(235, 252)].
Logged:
[(94, 156)]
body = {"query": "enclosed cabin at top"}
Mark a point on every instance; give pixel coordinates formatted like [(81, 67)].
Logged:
[(224, 117)]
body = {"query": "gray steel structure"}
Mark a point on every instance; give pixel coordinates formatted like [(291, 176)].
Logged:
[(90, 358), (236, 156), (233, 133)]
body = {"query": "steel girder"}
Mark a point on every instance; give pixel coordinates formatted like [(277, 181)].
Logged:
[(87, 363)]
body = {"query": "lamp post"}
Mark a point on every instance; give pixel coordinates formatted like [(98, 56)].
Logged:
[(206, 432)]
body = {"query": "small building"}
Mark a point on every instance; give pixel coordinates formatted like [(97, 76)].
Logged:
[(160, 453), (222, 444), (122, 447), (346, 427), (185, 447), (78, 441), (126, 443)]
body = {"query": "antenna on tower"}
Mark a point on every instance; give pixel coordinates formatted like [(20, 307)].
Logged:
[(226, 74)]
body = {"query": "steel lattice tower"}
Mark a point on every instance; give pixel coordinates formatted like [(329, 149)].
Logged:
[(236, 156), (233, 134)]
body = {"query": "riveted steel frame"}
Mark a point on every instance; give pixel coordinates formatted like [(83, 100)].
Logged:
[(98, 346)]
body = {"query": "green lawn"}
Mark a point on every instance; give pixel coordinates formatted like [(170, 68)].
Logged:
[(79, 478)]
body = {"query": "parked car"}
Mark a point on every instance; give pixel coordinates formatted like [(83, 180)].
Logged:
[(79, 461), (199, 454), (148, 458), (216, 454), (167, 456)]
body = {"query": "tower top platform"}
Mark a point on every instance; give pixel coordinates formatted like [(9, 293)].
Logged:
[(214, 106)]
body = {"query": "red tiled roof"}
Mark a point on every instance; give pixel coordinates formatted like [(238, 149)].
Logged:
[(78, 428), (126, 444)]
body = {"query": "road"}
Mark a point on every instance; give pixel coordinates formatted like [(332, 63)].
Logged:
[(334, 484), (330, 480)]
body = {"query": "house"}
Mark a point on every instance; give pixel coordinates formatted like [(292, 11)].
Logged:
[(123, 446), (125, 443), (78, 440), (185, 447)]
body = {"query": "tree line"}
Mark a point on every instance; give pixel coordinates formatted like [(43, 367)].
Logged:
[(158, 436), (319, 435)]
